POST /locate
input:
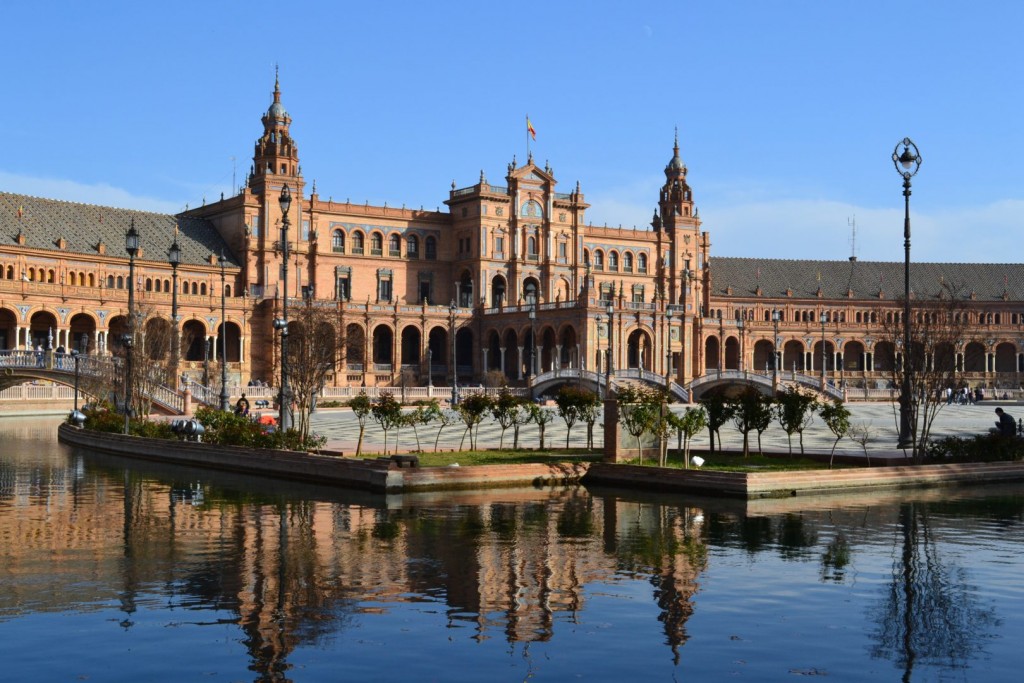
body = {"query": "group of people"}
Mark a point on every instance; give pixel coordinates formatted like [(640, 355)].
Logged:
[(964, 395)]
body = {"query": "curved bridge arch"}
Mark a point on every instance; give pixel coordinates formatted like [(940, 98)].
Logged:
[(596, 381), (761, 382)]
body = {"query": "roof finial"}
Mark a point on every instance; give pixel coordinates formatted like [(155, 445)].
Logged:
[(676, 145), (277, 84)]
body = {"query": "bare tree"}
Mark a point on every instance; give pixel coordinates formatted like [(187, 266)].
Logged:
[(934, 362), (312, 356)]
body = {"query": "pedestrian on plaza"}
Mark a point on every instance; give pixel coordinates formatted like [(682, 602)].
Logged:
[(1005, 425), (39, 356), (242, 406)]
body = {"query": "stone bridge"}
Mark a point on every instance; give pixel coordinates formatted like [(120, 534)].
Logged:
[(18, 367), (738, 379), (595, 381)]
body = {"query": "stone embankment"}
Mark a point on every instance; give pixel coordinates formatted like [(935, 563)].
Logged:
[(392, 476)]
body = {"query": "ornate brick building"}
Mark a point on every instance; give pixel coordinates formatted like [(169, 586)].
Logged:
[(509, 277)]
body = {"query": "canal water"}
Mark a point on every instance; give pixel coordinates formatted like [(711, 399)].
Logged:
[(117, 570)]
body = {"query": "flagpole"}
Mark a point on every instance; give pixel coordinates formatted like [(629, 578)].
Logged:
[(527, 137)]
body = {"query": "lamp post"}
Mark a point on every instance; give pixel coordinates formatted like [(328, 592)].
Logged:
[(600, 390), (174, 258), (284, 398), (533, 336), (609, 359), (224, 398), (74, 356), (430, 368), (907, 164), (131, 245), (823, 318), (668, 351), (775, 347), (452, 307)]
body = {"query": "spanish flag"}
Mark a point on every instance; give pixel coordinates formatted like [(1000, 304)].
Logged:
[(530, 129)]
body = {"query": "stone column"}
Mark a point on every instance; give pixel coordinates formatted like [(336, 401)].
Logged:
[(519, 365)]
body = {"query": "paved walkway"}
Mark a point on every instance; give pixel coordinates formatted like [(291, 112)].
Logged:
[(342, 431)]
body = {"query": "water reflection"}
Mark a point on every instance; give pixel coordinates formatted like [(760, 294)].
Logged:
[(297, 567)]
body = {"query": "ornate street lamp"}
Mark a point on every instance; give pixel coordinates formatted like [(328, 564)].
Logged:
[(131, 245), (430, 370), (609, 359), (284, 398), (533, 336), (600, 390), (452, 308), (224, 398), (74, 356), (174, 258), (668, 351), (907, 163), (823, 319), (775, 347)]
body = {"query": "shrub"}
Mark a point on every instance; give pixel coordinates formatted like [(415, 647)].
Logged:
[(977, 448)]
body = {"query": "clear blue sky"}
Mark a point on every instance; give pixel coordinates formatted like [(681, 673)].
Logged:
[(788, 112)]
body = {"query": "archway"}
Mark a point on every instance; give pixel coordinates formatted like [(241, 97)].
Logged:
[(974, 357), (639, 350), (711, 353), (1006, 357), (793, 356), (117, 328), (512, 361), (43, 330), (853, 357), (438, 351), (411, 344), (233, 340), (464, 349), (732, 353), (355, 347), (763, 356), (498, 291), (157, 339), (83, 332), (885, 357), (531, 290), (944, 359), (494, 351), (569, 352), (8, 329), (383, 347), (193, 340), (829, 359)]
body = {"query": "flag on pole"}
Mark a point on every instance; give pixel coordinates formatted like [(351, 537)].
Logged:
[(530, 129)]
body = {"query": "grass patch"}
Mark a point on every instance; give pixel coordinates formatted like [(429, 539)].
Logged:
[(501, 457), (729, 462)]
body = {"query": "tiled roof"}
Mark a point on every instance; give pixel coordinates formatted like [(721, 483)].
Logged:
[(82, 226), (836, 279)]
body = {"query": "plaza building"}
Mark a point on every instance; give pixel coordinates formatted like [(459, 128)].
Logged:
[(509, 278)]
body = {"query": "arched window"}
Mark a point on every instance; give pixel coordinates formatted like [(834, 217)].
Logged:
[(598, 259), (376, 244), (338, 241), (120, 282), (395, 246), (412, 246), (149, 284), (627, 262), (202, 289), (641, 263), (357, 242), (531, 247), (195, 289), (586, 257), (613, 260)]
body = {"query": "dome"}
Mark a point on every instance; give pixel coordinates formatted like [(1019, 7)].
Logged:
[(277, 111)]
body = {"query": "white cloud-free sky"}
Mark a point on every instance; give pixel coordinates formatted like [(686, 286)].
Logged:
[(788, 112)]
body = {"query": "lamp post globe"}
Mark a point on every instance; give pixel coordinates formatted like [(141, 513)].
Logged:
[(907, 162)]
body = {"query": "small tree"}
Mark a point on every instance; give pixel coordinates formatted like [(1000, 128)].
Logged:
[(504, 409), (719, 411), (764, 413), (422, 415), (447, 417), (640, 411), (360, 406), (572, 402), (388, 414), (746, 411), (543, 418), (471, 409), (690, 423), (591, 413), (836, 417), (796, 413), (521, 415), (862, 433)]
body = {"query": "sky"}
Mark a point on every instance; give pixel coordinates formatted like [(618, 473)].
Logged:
[(788, 112)]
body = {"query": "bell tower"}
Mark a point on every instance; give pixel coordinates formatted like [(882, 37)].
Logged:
[(276, 159)]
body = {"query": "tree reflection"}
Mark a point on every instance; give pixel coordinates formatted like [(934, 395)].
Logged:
[(929, 614)]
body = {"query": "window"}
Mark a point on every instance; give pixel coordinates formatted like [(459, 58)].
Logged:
[(607, 292), (641, 263), (613, 260), (395, 246), (499, 246), (305, 230), (376, 244), (357, 243), (338, 242), (384, 289), (562, 251), (431, 248), (638, 294), (627, 262), (255, 226), (412, 246), (344, 288), (598, 260), (531, 248), (425, 290)]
